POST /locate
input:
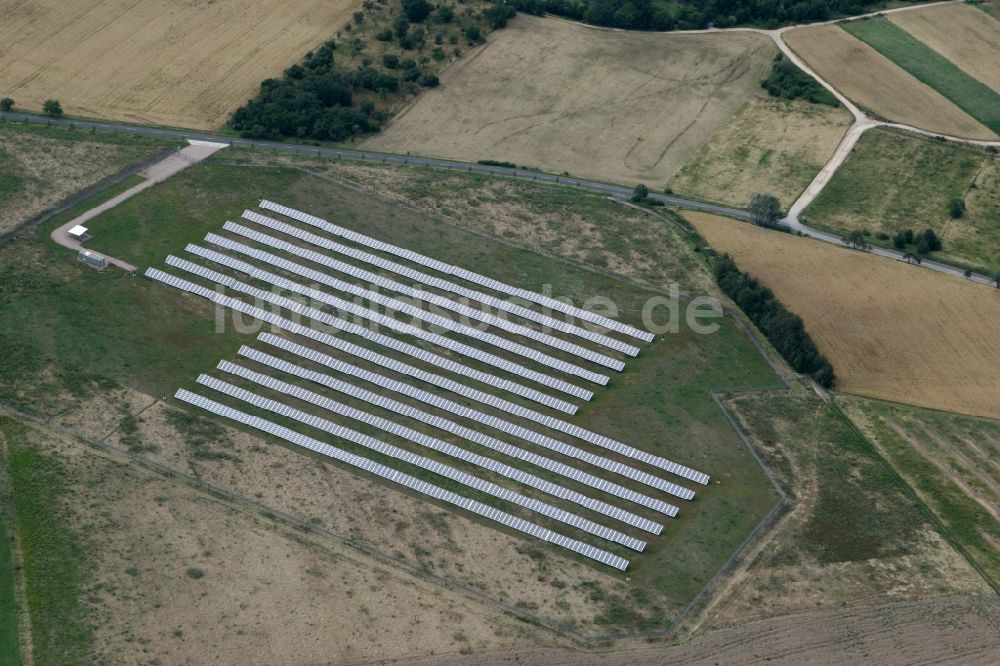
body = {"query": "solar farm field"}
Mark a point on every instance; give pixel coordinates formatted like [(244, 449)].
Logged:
[(187, 64), (658, 403)]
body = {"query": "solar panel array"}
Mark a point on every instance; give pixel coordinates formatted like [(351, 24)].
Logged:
[(526, 434), (406, 480), (370, 315), (430, 297), (374, 297), (466, 433), (328, 314), (377, 445), (462, 273)]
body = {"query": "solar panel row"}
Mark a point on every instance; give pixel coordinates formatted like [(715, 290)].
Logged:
[(448, 269), (374, 297), (474, 415), (430, 297), (370, 315), (362, 352), (406, 480), (447, 471), (461, 431)]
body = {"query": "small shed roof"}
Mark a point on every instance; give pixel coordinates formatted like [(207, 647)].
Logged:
[(78, 230)]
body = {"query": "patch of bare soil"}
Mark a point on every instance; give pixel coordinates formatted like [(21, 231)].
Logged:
[(447, 548)]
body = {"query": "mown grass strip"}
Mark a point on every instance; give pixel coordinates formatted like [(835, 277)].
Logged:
[(928, 66), (55, 555)]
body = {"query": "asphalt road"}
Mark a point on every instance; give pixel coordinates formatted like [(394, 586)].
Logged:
[(616, 191)]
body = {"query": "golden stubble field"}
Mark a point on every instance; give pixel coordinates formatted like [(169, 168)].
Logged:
[(892, 331), (873, 81), (615, 106), (188, 63), (962, 33)]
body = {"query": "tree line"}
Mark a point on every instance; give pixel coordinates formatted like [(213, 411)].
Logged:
[(696, 14), (783, 329)]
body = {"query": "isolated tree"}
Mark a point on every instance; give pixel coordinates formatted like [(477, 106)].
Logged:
[(416, 10), (856, 239), (52, 107), (640, 193), (928, 242), (445, 14), (6, 103), (956, 208), (765, 209)]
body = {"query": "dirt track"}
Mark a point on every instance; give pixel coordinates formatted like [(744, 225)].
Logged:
[(952, 630)]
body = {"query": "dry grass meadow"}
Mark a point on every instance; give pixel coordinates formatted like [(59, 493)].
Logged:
[(614, 106), (40, 167), (874, 82), (892, 331), (187, 63), (961, 33), (770, 145)]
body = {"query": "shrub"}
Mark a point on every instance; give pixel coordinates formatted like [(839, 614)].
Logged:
[(390, 60), (789, 82), (429, 81), (52, 107), (384, 35), (444, 14), (473, 34), (195, 573), (956, 207), (6, 104)]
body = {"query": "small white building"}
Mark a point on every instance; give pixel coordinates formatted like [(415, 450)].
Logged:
[(93, 259), (78, 233)]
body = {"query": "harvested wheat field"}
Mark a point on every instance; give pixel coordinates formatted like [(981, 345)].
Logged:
[(188, 63), (771, 145), (963, 34), (873, 81), (615, 106), (891, 331)]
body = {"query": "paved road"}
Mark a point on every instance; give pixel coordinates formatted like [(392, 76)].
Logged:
[(370, 156), (616, 191)]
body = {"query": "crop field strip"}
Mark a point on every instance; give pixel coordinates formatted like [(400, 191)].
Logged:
[(357, 310), (376, 412), (462, 273), (429, 297), (476, 436), (927, 65), (387, 302), (405, 480), (418, 438)]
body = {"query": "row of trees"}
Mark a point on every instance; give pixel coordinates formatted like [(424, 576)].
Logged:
[(650, 15), (783, 329), (51, 107)]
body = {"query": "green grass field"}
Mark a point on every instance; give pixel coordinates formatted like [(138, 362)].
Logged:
[(895, 181), (55, 552), (9, 653), (75, 331), (946, 458), (975, 98)]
